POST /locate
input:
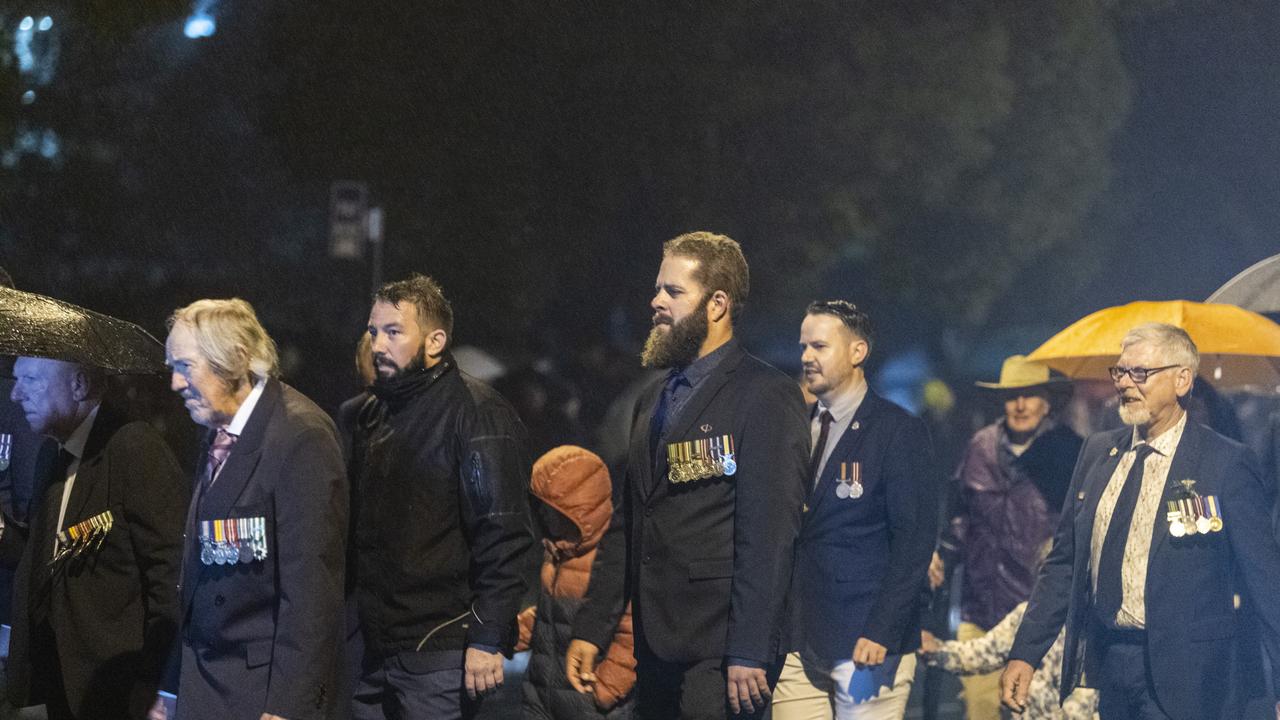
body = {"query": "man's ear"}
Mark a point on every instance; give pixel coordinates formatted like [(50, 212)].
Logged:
[(435, 343), (718, 306), (81, 385), (858, 351), (1183, 382)]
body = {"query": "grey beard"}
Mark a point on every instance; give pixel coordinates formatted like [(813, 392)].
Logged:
[(677, 347)]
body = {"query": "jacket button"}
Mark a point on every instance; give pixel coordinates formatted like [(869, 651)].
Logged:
[(218, 600), (648, 512), (645, 560)]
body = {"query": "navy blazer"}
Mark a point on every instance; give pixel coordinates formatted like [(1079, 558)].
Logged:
[(861, 563), (707, 562), (265, 636), (1191, 580)]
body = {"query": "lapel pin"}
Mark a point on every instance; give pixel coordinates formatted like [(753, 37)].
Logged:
[(1114, 452), (856, 425), (706, 427)]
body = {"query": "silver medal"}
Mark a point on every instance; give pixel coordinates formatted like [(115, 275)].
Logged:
[(842, 491)]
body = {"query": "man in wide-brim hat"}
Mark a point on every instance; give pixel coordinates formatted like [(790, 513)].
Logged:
[(1004, 506)]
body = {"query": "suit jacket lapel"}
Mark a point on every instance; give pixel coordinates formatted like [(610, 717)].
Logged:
[(246, 452), (104, 426), (1101, 475), (642, 455), (848, 446)]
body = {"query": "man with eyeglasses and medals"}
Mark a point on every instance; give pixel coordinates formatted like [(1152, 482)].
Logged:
[(1165, 523), (866, 538), (707, 512)]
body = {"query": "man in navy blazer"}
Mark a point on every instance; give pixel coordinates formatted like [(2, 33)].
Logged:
[(706, 516), (261, 595), (866, 536), (1166, 522)]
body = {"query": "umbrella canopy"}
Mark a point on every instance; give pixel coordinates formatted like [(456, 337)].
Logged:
[(37, 326), (1256, 289), (1237, 347)]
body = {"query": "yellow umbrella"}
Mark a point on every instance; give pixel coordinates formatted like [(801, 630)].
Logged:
[(1237, 347)]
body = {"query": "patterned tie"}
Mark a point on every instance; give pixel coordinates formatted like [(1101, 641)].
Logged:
[(821, 446), (1110, 593), (219, 449)]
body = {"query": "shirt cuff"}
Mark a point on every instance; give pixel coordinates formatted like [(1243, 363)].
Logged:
[(744, 662)]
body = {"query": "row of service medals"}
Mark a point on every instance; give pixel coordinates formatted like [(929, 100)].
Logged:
[(850, 485), (84, 536), (233, 540), (701, 459), (1194, 514)]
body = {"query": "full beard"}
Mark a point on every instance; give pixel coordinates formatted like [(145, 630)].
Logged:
[(415, 364), (677, 347)]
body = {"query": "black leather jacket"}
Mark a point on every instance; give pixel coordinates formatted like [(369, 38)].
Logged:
[(442, 542)]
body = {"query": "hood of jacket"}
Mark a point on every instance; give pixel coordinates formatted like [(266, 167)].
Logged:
[(575, 482)]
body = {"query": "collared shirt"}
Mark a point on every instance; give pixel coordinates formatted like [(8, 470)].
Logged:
[(842, 408), (697, 371), (241, 418), (75, 446), (1133, 574)]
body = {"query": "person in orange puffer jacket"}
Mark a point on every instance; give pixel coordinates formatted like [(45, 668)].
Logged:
[(574, 490)]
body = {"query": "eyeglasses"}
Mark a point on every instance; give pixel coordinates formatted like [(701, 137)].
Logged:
[(1138, 374)]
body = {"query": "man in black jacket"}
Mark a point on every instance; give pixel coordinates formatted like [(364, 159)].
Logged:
[(704, 523), (442, 542)]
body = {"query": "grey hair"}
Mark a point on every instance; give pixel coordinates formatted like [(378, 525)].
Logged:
[(232, 341), (1174, 342)]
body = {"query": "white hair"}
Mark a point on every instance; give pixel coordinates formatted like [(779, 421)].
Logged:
[(1174, 344), (236, 346)]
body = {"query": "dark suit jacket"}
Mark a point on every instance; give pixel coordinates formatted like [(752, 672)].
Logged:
[(1190, 580), (861, 563), (707, 563), (265, 636), (113, 610)]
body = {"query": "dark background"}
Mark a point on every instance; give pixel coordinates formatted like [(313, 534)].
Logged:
[(976, 174)]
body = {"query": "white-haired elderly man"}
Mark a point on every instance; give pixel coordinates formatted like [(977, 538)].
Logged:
[(1166, 521), (261, 597)]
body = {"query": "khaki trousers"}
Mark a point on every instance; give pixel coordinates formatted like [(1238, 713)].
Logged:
[(981, 692), (806, 692)]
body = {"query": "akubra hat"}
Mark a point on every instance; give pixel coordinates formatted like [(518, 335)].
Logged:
[(1019, 373)]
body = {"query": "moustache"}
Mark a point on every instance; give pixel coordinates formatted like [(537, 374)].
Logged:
[(662, 320)]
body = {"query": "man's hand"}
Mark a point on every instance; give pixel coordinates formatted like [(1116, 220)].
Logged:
[(937, 571), (1015, 685), (747, 688), (157, 711), (868, 652), (483, 672), (580, 665), (269, 716), (929, 643)]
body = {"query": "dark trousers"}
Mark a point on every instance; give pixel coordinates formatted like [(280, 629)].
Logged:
[(390, 691), (1125, 688), (686, 691)]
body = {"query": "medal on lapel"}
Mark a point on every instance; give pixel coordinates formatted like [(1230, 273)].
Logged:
[(85, 536), (6, 450), (728, 461), (206, 542)]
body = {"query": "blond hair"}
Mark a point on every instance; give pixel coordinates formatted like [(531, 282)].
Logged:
[(233, 342)]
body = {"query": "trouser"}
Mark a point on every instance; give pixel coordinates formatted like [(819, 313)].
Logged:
[(981, 692), (685, 690), (389, 691), (1125, 688), (809, 692)]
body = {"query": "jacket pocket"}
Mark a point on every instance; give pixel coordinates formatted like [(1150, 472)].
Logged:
[(257, 653), (1223, 626), (710, 569)]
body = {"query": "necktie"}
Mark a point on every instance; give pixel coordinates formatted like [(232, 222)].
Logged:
[(219, 449), (658, 424), (1111, 564), (820, 447)]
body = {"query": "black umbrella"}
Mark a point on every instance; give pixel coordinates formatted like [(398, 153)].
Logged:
[(37, 326)]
